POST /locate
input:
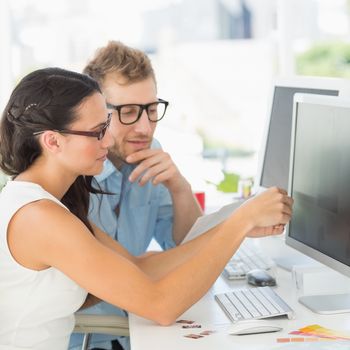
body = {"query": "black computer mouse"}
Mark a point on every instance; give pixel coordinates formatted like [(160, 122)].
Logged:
[(260, 278)]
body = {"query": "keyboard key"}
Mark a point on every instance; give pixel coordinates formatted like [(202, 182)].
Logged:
[(266, 302), (235, 300)]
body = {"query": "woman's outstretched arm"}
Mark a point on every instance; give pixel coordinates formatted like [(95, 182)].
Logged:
[(59, 239), (158, 264)]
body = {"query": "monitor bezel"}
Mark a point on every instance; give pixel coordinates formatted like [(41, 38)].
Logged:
[(303, 82), (324, 100)]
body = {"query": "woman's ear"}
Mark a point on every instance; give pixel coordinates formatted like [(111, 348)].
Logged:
[(50, 141)]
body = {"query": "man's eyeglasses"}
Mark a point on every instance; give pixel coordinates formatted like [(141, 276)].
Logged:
[(98, 134), (130, 113)]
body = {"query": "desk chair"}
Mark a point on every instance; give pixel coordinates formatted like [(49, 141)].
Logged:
[(102, 324)]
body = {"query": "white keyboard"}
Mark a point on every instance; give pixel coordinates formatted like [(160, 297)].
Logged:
[(253, 303), (245, 260)]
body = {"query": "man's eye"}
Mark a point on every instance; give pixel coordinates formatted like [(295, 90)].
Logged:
[(129, 110), (128, 113), (152, 109)]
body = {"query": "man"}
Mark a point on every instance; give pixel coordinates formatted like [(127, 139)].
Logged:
[(149, 196)]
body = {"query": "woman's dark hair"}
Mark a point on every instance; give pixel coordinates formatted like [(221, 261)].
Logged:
[(46, 99)]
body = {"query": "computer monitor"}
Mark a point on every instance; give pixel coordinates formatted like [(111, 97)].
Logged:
[(273, 166), (319, 182)]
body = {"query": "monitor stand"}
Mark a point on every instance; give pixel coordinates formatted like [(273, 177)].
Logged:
[(284, 256), (287, 262), (327, 304)]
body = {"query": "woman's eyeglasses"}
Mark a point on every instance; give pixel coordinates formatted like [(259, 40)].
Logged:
[(98, 134)]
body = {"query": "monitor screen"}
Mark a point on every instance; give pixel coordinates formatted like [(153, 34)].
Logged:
[(320, 180), (275, 160)]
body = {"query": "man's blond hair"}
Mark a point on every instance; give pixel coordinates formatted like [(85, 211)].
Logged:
[(129, 64)]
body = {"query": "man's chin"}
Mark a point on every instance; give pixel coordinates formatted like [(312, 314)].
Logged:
[(115, 155), (116, 158)]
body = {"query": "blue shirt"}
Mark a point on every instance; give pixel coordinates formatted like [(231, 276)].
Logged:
[(144, 213)]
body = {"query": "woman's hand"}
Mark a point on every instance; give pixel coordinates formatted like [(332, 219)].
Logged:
[(268, 212), (266, 231)]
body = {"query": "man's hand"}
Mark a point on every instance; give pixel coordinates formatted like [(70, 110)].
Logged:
[(157, 166)]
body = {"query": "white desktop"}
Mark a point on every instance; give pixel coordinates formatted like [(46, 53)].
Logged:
[(208, 314), (274, 166)]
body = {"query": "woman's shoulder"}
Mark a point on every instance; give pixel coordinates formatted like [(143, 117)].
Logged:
[(22, 192), (24, 188), (29, 201)]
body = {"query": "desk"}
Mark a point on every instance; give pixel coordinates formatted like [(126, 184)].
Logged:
[(147, 335)]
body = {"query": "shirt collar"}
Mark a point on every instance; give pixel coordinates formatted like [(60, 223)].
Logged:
[(109, 169)]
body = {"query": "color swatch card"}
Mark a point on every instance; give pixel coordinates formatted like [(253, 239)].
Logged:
[(318, 345), (322, 332), (304, 337)]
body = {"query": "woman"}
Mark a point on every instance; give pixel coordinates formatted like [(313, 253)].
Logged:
[(53, 138)]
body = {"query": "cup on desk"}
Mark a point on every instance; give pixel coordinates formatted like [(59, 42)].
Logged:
[(245, 188), (200, 195)]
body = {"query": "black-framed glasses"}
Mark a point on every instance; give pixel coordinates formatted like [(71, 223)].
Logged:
[(98, 134), (131, 113)]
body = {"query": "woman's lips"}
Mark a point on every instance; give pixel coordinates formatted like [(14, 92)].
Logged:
[(103, 158)]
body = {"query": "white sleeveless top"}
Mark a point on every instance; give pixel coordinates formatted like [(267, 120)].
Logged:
[(36, 307)]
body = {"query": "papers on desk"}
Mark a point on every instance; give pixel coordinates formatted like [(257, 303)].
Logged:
[(206, 222)]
